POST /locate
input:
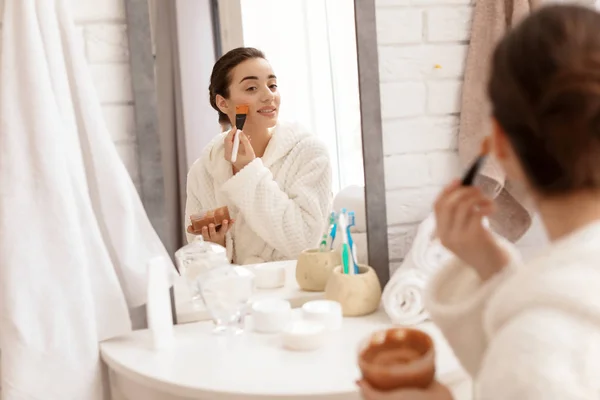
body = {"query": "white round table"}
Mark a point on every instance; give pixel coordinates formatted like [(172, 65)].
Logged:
[(201, 365)]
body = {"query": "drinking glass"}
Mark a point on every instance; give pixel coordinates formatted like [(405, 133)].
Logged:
[(226, 291)]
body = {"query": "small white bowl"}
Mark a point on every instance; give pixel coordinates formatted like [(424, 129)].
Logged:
[(269, 276), (271, 315), (303, 335), (327, 312)]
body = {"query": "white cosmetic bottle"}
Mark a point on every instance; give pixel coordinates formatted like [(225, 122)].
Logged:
[(158, 307)]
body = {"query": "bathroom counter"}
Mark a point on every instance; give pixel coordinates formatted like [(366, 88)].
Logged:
[(201, 365), (291, 292)]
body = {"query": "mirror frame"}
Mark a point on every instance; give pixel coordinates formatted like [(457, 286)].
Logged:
[(143, 79), (372, 138)]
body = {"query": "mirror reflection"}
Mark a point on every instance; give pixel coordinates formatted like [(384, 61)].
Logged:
[(285, 161)]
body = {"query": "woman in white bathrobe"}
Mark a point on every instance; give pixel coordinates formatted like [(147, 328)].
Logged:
[(530, 332), (278, 191)]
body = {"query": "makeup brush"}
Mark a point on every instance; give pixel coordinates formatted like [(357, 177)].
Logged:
[(241, 112), (469, 177)]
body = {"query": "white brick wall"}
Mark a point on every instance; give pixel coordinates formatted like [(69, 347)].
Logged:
[(422, 50), (101, 30)]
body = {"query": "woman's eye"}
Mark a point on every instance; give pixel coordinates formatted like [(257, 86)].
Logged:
[(251, 89), (273, 86)]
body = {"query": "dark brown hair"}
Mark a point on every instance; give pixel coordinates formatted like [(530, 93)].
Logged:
[(545, 94), (220, 78)]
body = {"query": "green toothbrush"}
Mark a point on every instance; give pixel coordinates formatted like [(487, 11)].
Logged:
[(345, 247)]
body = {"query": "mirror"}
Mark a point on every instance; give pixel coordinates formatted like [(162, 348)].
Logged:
[(324, 54)]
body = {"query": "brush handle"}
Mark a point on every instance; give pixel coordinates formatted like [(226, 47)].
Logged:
[(354, 258), (332, 235), (471, 173), (351, 246), (236, 146), (345, 258)]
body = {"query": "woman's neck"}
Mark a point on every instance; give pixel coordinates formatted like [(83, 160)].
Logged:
[(565, 214), (259, 139)]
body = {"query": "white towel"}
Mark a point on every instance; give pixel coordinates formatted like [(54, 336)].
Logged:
[(403, 295), (74, 237)]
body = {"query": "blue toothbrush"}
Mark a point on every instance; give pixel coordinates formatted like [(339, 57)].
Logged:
[(351, 223)]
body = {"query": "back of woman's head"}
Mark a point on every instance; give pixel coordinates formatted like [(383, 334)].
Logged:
[(220, 78), (545, 94)]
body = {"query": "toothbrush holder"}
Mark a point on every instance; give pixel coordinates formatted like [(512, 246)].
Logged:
[(314, 267), (358, 294)]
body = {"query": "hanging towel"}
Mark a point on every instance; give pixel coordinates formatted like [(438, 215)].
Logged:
[(491, 19), (402, 297), (74, 237)]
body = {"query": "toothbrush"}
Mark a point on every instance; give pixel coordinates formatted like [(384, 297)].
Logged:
[(333, 229), (330, 227), (241, 112), (345, 249), (344, 212), (351, 244), (323, 244)]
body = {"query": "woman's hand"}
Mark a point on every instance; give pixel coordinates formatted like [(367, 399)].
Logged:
[(245, 151), (436, 391), (211, 234), (459, 213)]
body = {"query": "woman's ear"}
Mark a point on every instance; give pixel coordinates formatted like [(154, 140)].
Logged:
[(503, 152), (499, 141), (222, 104)]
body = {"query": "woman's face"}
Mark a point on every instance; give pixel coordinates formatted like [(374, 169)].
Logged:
[(253, 82)]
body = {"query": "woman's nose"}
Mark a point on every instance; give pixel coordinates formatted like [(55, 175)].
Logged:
[(267, 95)]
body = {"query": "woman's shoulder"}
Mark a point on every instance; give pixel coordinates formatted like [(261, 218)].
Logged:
[(301, 139), (549, 281), (212, 153)]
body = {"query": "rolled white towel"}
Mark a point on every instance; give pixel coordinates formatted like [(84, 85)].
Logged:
[(426, 254), (403, 297)]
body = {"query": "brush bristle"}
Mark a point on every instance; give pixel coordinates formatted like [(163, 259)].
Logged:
[(242, 109)]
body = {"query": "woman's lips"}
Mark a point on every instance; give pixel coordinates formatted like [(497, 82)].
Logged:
[(267, 111)]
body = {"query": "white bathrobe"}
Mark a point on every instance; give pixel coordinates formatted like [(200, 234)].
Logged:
[(280, 202), (532, 332)]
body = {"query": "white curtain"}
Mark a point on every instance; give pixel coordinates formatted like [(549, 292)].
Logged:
[(74, 237)]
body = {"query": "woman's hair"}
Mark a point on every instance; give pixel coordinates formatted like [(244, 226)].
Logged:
[(545, 94), (220, 78)]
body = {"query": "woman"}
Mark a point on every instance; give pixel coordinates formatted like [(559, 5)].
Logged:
[(530, 331), (278, 190)]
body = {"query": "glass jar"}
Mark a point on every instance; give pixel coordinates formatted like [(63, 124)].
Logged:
[(196, 258)]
